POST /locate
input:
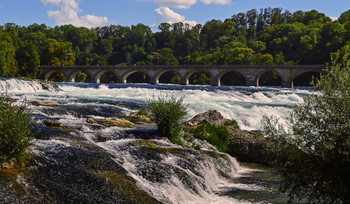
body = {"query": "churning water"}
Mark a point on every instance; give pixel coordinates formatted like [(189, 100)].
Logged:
[(169, 177)]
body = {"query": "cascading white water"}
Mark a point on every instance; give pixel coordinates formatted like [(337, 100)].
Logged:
[(246, 105)]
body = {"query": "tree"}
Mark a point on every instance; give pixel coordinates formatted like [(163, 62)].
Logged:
[(7, 54), (28, 60), (313, 156)]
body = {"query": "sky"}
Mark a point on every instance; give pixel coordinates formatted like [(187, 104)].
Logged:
[(94, 13)]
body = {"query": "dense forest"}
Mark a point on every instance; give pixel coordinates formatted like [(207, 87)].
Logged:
[(267, 36)]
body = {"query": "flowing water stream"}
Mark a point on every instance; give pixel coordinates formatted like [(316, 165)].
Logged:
[(167, 172)]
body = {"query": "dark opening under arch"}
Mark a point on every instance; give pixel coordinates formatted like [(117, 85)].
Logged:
[(82, 76), (170, 77), (200, 78), (57, 76), (108, 77), (305, 78), (270, 78), (233, 79), (138, 77)]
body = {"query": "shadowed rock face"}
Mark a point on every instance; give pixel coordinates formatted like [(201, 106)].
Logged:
[(249, 146)]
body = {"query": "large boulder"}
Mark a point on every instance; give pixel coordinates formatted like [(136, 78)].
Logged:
[(211, 116), (249, 146), (246, 146)]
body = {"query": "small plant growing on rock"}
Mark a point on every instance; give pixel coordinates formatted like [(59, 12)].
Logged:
[(15, 135), (215, 135), (168, 113)]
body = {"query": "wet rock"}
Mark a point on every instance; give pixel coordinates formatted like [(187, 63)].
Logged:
[(119, 123), (8, 165), (139, 118), (38, 103), (211, 116), (52, 123), (71, 174), (91, 121), (249, 146)]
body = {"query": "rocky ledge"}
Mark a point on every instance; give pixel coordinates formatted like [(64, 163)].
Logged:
[(246, 146)]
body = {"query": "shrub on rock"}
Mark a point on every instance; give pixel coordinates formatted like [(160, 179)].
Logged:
[(15, 135), (168, 113)]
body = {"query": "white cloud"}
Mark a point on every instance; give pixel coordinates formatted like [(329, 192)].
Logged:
[(181, 4), (67, 13), (334, 18), (222, 2), (185, 4), (167, 15)]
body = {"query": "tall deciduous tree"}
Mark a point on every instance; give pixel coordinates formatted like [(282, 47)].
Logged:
[(28, 60), (7, 54), (313, 157)]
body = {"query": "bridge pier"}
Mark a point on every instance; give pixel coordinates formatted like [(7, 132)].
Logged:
[(121, 81), (287, 84), (215, 82), (252, 82), (154, 81), (184, 81)]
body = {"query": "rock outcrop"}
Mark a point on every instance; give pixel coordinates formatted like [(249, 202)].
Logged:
[(119, 123), (211, 116), (38, 103), (246, 146), (249, 146), (52, 123)]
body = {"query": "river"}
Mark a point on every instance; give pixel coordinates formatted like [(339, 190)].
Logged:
[(167, 177)]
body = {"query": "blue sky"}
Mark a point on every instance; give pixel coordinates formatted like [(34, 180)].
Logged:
[(92, 13)]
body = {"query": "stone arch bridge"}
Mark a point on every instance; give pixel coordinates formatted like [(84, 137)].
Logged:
[(251, 73)]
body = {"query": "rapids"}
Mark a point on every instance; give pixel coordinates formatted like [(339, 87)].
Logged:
[(167, 172)]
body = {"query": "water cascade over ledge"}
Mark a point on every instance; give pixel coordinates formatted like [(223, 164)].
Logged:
[(94, 163)]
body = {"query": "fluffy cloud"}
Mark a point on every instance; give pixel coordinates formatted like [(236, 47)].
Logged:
[(167, 15), (181, 4), (184, 4), (334, 18), (223, 2), (67, 13)]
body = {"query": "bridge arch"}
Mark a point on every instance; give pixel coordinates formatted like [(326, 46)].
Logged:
[(186, 79), (97, 77), (125, 76), (305, 78), (51, 73), (261, 73), (73, 75), (161, 74), (230, 77)]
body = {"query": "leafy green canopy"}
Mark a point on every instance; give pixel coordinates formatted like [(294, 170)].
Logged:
[(15, 135), (168, 113), (314, 156)]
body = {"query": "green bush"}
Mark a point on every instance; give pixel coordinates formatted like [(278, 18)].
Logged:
[(313, 157), (168, 113), (215, 135), (15, 135)]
